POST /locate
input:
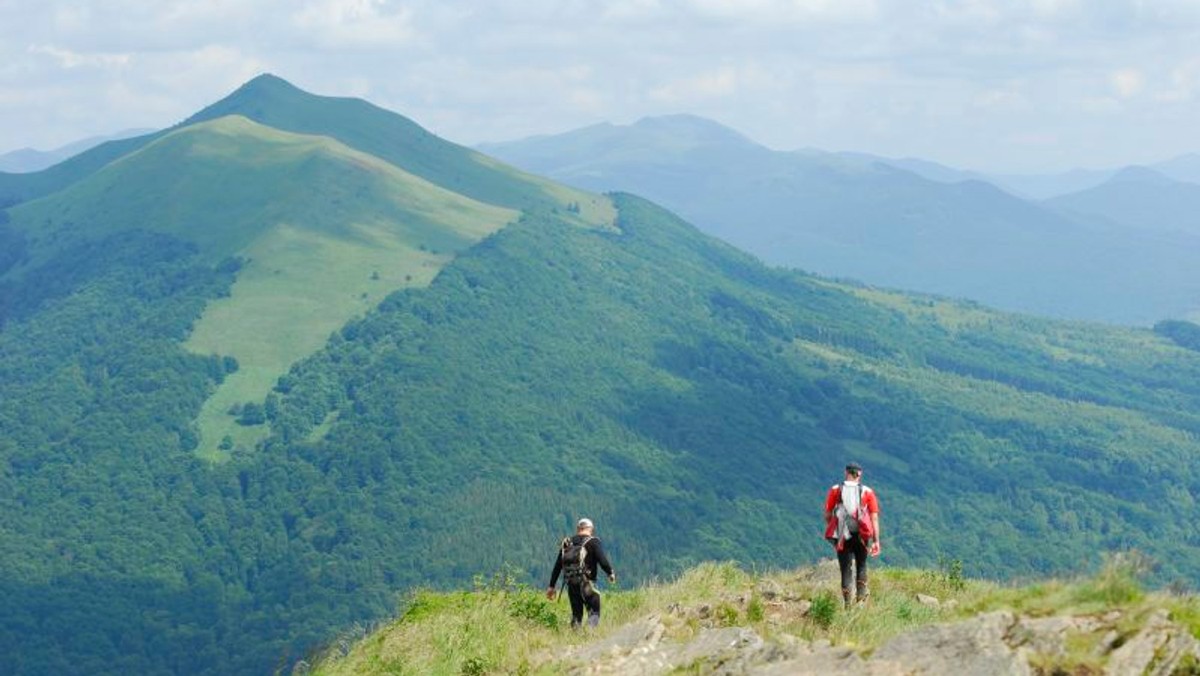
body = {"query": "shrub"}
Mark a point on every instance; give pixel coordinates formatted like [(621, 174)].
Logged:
[(823, 609), (754, 610), (535, 608)]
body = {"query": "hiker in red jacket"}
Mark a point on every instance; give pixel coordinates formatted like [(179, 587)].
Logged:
[(852, 525)]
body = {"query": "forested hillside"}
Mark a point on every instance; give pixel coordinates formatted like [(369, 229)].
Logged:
[(691, 400)]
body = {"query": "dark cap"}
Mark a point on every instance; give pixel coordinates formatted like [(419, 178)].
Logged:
[(854, 467)]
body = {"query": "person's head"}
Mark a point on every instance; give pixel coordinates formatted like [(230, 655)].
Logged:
[(585, 527), (854, 471)]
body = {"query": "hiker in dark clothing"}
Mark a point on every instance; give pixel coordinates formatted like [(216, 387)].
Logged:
[(852, 526), (578, 558)]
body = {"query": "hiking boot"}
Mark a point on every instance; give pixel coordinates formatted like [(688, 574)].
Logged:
[(861, 593)]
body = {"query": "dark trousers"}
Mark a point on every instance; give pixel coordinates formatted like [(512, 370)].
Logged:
[(854, 551), (582, 595)]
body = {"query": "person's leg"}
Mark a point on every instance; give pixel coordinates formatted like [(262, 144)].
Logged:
[(592, 599), (861, 591), (575, 595), (845, 556)]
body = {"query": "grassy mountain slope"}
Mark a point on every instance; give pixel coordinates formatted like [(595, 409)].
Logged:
[(392, 204), (871, 221), (28, 159), (274, 102), (327, 232), (17, 188)]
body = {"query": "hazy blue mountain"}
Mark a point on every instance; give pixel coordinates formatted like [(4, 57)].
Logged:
[(934, 171), (28, 159), (1140, 198), (1045, 186), (1183, 168), (845, 215)]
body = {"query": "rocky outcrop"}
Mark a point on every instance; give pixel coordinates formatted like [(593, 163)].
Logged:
[(978, 646), (1159, 649), (992, 644)]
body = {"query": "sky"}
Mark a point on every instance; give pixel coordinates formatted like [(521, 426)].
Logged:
[(993, 85)]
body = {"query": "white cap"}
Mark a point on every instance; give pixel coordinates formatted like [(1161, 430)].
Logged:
[(584, 523)]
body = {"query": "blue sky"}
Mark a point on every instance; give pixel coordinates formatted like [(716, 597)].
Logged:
[(1023, 85)]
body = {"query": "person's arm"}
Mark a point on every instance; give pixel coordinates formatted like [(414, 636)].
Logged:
[(554, 576), (831, 501), (873, 508), (601, 558)]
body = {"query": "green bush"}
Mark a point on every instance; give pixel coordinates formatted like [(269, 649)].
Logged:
[(824, 608), (535, 608), (754, 609)]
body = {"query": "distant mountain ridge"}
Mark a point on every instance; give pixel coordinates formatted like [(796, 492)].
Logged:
[(1184, 168), (1140, 199), (858, 216), (26, 160)]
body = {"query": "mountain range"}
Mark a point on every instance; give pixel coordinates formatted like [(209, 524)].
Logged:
[(1185, 168), (265, 372), (904, 224), (30, 159)]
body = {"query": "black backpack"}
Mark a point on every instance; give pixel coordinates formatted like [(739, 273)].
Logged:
[(574, 560)]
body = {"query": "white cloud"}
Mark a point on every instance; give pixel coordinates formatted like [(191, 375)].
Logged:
[(631, 10), (1055, 9), (1184, 82), (353, 24), (720, 82), (1126, 82), (1007, 98), (69, 59), (788, 11)]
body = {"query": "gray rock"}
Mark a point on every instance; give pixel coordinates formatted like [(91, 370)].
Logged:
[(820, 657), (1048, 635), (643, 635), (1155, 650), (712, 645), (975, 647), (770, 590), (782, 612)]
